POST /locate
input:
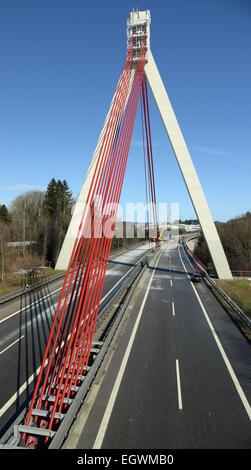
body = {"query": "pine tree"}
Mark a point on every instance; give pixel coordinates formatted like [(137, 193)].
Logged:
[(50, 202), (57, 205), (4, 214)]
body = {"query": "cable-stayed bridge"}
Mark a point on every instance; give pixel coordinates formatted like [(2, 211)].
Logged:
[(170, 382)]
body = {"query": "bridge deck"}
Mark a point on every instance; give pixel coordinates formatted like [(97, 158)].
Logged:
[(176, 390)]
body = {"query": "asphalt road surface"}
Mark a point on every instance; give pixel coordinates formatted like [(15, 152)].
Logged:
[(180, 375), (25, 325)]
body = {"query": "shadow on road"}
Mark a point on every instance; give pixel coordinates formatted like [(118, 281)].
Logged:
[(122, 263), (37, 310), (171, 271)]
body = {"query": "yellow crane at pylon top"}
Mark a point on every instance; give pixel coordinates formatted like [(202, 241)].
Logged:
[(160, 238)]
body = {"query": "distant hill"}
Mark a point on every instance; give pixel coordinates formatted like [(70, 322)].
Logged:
[(235, 235)]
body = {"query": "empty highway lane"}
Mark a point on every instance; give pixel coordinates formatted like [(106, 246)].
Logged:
[(179, 377), (24, 330)]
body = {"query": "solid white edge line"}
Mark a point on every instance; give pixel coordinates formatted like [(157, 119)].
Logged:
[(178, 385), (23, 387), (121, 279), (224, 356), (20, 390), (60, 288), (12, 344), (104, 423), (30, 305), (31, 378)]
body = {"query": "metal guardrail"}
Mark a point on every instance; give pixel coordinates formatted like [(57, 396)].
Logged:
[(243, 317), (14, 294), (128, 286), (123, 295), (241, 273), (187, 239), (24, 290)]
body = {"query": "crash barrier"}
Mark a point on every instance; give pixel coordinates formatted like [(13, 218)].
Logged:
[(119, 300), (243, 317)]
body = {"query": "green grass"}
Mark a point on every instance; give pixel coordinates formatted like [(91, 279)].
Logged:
[(15, 283), (239, 290), (11, 286), (48, 272)]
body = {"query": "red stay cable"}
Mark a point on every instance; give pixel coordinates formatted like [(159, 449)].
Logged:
[(95, 311), (89, 263), (94, 302), (54, 322), (149, 155), (69, 348)]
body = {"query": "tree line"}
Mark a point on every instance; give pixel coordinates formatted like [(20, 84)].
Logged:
[(235, 235), (33, 228)]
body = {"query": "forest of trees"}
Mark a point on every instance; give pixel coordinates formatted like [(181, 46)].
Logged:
[(33, 228), (235, 236)]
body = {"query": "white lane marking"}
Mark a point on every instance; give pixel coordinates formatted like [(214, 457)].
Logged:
[(21, 389), (30, 305), (18, 393), (224, 356), (171, 283), (178, 385), (31, 378), (12, 344), (187, 258), (173, 309), (25, 384), (60, 288), (104, 423), (121, 279)]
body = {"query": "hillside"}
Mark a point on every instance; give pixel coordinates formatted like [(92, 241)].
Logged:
[(235, 235)]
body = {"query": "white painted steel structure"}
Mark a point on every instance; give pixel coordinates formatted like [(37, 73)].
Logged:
[(187, 169), (70, 237), (138, 25)]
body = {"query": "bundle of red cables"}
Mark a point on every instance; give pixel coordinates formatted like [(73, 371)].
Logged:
[(68, 348)]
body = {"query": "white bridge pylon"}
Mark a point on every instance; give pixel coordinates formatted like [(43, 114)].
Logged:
[(138, 26)]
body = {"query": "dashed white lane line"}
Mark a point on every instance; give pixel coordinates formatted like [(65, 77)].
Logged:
[(178, 385), (106, 418), (224, 356), (12, 344), (31, 378)]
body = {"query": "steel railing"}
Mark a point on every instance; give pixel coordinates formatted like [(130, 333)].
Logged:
[(242, 315), (121, 297), (48, 280)]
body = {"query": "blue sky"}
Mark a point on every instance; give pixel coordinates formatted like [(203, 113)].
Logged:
[(60, 63)]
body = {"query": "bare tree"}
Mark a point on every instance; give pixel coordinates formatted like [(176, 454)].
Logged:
[(4, 238)]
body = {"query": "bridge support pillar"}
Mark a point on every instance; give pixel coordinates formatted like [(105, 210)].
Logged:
[(71, 234), (187, 169)]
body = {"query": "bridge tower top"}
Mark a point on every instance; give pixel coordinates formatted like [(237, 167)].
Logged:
[(138, 25)]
